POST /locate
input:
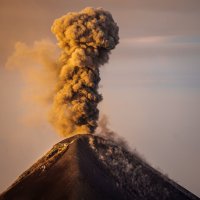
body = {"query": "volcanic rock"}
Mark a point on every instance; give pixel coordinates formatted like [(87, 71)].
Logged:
[(89, 167)]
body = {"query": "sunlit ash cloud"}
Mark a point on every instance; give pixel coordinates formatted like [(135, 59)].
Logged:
[(85, 39)]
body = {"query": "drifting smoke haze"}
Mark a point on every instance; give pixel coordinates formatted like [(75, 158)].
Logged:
[(86, 39), (38, 68)]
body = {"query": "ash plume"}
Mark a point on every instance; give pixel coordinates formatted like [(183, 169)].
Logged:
[(85, 39)]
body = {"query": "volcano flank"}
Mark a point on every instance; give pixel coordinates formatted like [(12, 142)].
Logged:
[(90, 167)]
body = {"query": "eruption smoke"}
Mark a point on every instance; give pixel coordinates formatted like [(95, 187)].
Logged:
[(37, 65), (85, 39)]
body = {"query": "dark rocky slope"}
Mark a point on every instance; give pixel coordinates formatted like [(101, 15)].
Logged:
[(88, 167)]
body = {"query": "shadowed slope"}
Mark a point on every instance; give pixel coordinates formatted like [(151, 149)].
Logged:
[(92, 168)]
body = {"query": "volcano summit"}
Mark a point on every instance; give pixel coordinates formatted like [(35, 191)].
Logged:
[(93, 168)]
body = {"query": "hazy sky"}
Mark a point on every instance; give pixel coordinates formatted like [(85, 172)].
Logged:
[(151, 85)]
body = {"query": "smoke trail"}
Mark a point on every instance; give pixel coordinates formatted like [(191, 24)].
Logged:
[(86, 39), (38, 67), (37, 64), (104, 131)]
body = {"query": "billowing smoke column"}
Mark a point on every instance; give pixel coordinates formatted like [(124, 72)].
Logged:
[(86, 39)]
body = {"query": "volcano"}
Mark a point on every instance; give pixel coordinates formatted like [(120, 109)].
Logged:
[(89, 167)]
